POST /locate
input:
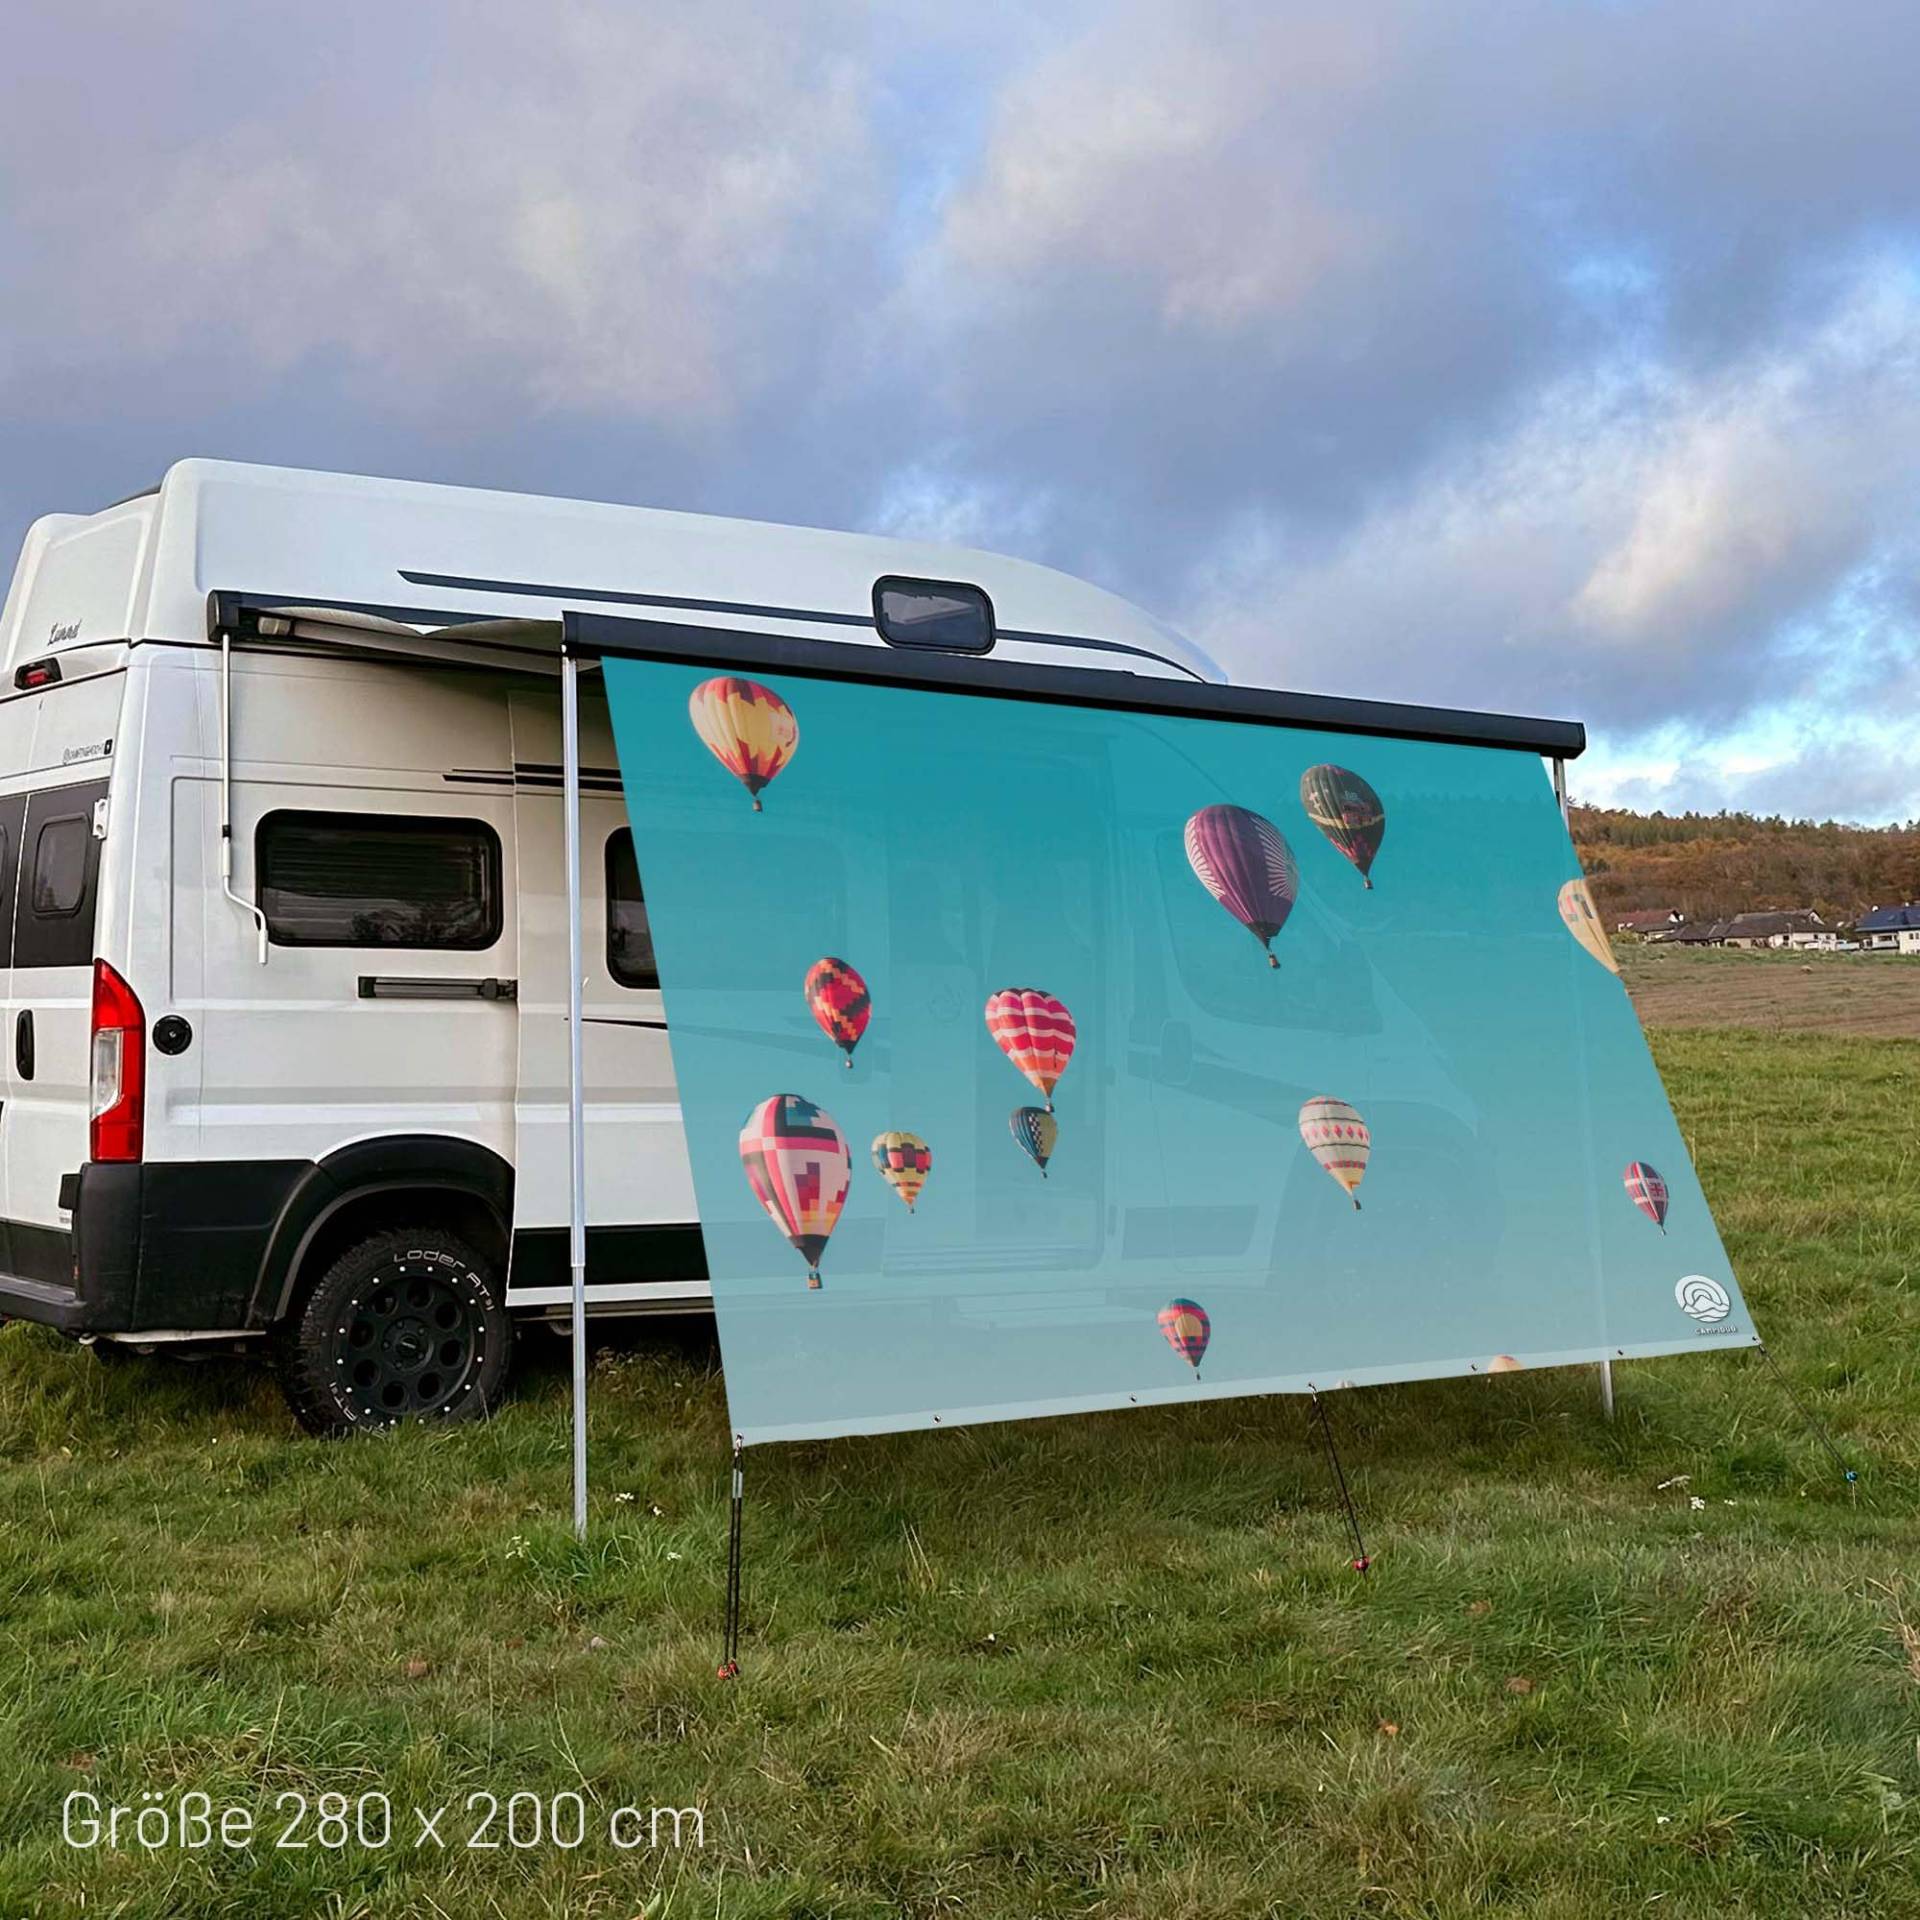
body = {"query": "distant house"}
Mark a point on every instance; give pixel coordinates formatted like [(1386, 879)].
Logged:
[(1656, 923), (1890, 929), (1801, 929), (1698, 933)]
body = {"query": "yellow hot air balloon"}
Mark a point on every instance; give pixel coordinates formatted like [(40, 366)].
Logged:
[(748, 728), (903, 1161), (1583, 922)]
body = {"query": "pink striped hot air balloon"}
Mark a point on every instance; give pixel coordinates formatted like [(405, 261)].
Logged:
[(1648, 1191), (1036, 1032), (1337, 1137), (1243, 860)]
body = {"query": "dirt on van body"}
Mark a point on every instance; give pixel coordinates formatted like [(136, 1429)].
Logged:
[(1875, 994)]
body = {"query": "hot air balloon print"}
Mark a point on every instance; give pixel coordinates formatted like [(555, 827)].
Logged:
[(903, 1161), (1037, 1131), (1583, 922), (1243, 860), (1505, 1363), (1648, 1191), (840, 1003), (1187, 1330), (1348, 812), (796, 1162), (1036, 1032), (748, 728), (1337, 1137)]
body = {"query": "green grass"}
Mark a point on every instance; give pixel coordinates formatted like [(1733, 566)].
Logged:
[(1109, 1666)]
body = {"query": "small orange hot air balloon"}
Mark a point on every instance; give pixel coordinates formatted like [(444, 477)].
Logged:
[(748, 728), (1187, 1330), (1505, 1363)]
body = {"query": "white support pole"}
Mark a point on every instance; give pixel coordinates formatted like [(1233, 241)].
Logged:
[(576, 1109), (1560, 794)]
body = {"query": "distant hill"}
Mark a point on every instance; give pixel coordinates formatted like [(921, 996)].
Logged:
[(1712, 864)]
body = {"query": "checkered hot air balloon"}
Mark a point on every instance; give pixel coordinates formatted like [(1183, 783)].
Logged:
[(1337, 1137), (796, 1162), (840, 1003), (748, 728), (903, 1161), (1584, 923), (1037, 1131), (1243, 860), (1187, 1330), (1035, 1032), (1348, 812), (1648, 1191)]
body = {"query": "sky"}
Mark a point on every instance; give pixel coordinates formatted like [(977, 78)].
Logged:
[(1554, 356)]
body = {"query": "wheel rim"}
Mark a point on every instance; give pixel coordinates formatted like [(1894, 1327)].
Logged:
[(411, 1343)]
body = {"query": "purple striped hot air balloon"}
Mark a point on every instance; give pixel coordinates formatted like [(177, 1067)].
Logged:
[(1245, 863)]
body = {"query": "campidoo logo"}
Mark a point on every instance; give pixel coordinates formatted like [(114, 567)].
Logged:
[(1706, 1300)]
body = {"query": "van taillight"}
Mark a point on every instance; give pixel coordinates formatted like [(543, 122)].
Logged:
[(119, 1069)]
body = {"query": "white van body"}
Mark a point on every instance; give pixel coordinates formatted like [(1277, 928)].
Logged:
[(358, 677)]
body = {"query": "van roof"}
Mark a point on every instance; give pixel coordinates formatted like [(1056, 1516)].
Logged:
[(143, 569)]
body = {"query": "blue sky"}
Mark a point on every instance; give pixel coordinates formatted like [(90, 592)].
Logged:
[(1521, 353)]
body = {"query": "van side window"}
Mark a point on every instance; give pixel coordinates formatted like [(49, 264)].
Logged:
[(629, 939), (373, 880)]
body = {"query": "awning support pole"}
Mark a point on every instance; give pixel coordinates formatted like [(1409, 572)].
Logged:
[(576, 1111), (1560, 794)]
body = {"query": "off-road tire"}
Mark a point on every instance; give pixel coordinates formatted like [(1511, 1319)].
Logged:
[(405, 1325)]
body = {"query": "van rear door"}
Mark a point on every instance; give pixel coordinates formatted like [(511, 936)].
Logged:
[(48, 1034), (54, 812)]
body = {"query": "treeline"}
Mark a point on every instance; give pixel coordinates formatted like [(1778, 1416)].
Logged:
[(1713, 864)]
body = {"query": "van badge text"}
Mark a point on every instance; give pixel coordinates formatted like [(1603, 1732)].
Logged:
[(63, 631)]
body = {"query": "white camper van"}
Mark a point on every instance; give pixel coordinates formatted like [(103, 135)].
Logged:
[(284, 914)]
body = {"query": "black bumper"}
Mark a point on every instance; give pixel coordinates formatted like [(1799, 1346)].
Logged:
[(153, 1247)]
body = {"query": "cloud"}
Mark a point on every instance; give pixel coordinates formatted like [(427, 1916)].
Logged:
[(1638, 540), (1547, 354), (568, 207)]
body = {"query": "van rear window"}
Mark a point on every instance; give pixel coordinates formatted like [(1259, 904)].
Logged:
[(58, 875), (371, 880), (60, 866)]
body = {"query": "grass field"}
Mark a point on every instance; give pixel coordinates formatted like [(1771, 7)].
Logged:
[(1109, 1666), (1863, 993)]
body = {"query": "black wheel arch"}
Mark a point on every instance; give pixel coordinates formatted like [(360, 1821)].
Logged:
[(369, 1185)]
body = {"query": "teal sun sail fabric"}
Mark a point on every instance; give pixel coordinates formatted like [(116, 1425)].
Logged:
[(1038, 1058)]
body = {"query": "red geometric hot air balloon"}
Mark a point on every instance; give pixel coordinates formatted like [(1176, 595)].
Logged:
[(1035, 1032), (840, 1002), (1244, 861), (1187, 1328), (748, 728), (796, 1162), (1648, 1191)]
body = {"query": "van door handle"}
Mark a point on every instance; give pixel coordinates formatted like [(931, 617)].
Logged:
[(23, 1043), (418, 987)]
